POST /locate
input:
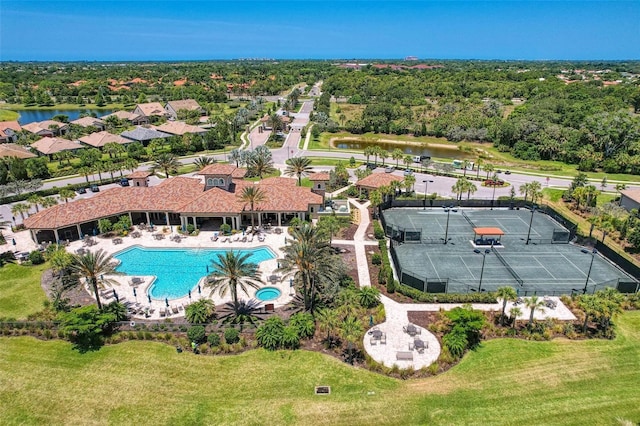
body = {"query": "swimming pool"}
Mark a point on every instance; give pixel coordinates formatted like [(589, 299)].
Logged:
[(177, 270)]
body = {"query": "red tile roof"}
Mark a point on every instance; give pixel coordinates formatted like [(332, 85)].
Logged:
[(179, 128), (151, 108), (224, 170), (100, 139), (140, 174), (376, 180), (49, 145), (13, 150), (319, 177)]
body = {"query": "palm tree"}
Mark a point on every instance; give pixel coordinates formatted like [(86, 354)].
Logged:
[(131, 164), (85, 171), (202, 162), (67, 194), (471, 187), (235, 157), (298, 166), (368, 152), (488, 168), (260, 165), (48, 202), (165, 162), (252, 195), (465, 165), (535, 304), (409, 181), (351, 330), (507, 294), (397, 155), (328, 321), (459, 187), (230, 271), (35, 200), (514, 312), (478, 165), (93, 266), (275, 121), (20, 208), (200, 312), (525, 189), (308, 258)]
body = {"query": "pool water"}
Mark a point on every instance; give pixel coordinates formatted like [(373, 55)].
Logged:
[(177, 270), (266, 294)]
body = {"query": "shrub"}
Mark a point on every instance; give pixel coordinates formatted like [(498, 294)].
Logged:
[(213, 340), (376, 258), (197, 334), (383, 273), (190, 228), (391, 286), (378, 232), (231, 336), (36, 257), (270, 333), (290, 337), (369, 297), (304, 324), (421, 296), (225, 228)]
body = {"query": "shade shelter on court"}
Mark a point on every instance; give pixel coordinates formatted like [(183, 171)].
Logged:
[(487, 236)]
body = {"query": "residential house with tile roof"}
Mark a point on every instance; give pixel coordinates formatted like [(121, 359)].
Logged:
[(179, 201), (90, 122), (100, 139), (47, 128), (9, 130), (319, 182), (49, 146), (135, 119), (180, 128), (144, 135), (150, 110), (173, 107), (8, 150)]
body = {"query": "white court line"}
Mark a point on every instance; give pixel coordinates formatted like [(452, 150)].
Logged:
[(433, 266), (545, 268), (467, 266)]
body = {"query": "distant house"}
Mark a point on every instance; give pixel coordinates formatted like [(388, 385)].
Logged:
[(49, 146), (144, 135), (377, 180), (135, 119), (151, 109), (46, 128), (630, 199), (180, 128), (8, 130), (100, 139), (89, 122), (8, 150), (173, 107), (319, 181)]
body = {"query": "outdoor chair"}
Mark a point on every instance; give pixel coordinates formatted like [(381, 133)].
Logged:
[(404, 356), (214, 238), (244, 239), (174, 309), (383, 339), (374, 341), (163, 313)]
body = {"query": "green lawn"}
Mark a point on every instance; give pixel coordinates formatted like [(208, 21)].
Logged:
[(6, 115), (504, 382), (20, 291)]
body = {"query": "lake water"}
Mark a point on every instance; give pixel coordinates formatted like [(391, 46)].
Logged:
[(431, 151), (29, 116)]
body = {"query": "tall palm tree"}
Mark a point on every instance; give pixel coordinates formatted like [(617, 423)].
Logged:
[(131, 164), (507, 294), (535, 304), (20, 208), (397, 155), (93, 266), (260, 165), (308, 258), (85, 171), (232, 270), (298, 166), (252, 195), (202, 162), (48, 202), (235, 157), (67, 194), (351, 330), (165, 162), (35, 200), (275, 121), (514, 312)]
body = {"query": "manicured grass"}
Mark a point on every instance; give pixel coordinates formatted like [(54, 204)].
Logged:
[(504, 382), (20, 291), (6, 115)]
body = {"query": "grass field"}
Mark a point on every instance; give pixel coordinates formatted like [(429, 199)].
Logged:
[(20, 291), (504, 382), (6, 115)]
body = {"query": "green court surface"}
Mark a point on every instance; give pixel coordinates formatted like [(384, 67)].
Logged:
[(540, 267)]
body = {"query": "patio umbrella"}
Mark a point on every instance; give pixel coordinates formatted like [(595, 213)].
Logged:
[(189, 294), (149, 297), (134, 292), (95, 232), (370, 320), (290, 282), (166, 301), (199, 290), (13, 241), (114, 293)]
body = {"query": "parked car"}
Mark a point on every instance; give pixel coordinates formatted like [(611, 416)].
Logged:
[(408, 172), (81, 190), (388, 170), (371, 166), (507, 172), (124, 182), (94, 188)]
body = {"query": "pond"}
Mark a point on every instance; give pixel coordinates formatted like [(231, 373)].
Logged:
[(30, 115), (413, 150)]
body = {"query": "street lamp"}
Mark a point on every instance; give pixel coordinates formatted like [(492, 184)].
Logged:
[(426, 186), (493, 196), (448, 210), (533, 209), (593, 256), (484, 257)]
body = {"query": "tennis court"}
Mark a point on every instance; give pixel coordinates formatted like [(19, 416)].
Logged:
[(548, 264)]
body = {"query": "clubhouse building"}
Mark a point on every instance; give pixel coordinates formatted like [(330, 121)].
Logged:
[(179, 201)]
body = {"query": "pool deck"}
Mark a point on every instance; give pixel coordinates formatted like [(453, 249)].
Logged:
[(203, 240)]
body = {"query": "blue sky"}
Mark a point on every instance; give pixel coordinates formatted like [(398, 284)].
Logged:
[(299, 29)]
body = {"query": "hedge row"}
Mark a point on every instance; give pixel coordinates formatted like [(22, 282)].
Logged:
[(56, 190), (421, 296)]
